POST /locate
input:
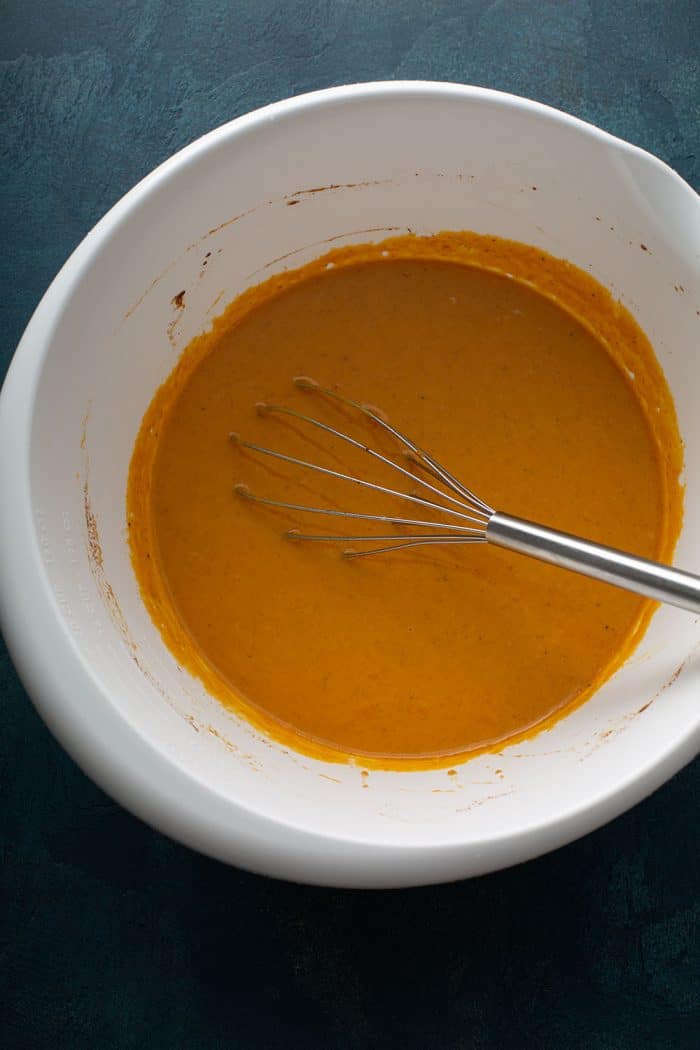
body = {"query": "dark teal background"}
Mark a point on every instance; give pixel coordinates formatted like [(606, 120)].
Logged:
[(113, 936)]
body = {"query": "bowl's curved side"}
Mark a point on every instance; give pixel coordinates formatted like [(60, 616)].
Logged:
[(134, 765)]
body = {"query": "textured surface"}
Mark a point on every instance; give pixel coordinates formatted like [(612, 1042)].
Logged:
[(114, 937)]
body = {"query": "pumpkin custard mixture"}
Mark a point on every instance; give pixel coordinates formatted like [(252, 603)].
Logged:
[(516, 370)]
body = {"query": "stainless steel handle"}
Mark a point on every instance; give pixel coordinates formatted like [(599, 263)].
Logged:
[(653, 580)]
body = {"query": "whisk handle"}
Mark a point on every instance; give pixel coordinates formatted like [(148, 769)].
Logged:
[(663, 583)]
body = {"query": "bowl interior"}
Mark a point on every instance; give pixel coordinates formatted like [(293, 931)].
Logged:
[(218, 218)]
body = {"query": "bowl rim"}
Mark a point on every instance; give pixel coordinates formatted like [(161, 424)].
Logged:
[(114, 753)]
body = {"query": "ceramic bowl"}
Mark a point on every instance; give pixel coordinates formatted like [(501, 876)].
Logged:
[(359, 163)]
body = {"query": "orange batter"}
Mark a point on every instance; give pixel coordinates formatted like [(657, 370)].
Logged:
[(525, 378)]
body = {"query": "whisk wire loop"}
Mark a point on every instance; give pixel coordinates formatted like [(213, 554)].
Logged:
[(304, 383), (458, 502)]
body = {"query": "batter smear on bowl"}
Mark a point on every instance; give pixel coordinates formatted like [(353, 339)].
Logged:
[(523, 376)]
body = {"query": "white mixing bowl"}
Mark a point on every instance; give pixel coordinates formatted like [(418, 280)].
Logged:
[(361, 162)]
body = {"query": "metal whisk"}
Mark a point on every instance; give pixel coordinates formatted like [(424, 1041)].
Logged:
[(471, 519)]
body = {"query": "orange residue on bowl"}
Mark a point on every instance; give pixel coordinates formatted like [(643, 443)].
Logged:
[(517, 370)]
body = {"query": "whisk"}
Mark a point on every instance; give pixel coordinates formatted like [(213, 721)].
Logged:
[(471, 520)]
